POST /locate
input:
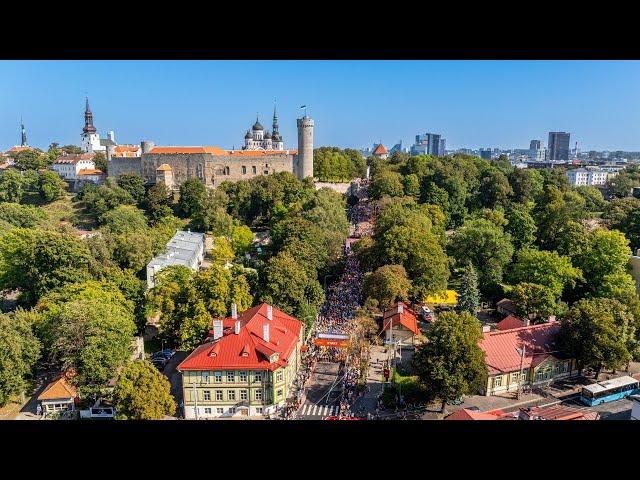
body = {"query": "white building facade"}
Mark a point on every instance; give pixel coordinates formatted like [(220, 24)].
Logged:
[(584, 176), (70, 165)]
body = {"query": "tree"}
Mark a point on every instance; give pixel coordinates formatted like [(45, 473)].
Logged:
[(386, 183), (31, 160), (287, 285), (594, 201), (98, 200), (213, 286), (411, 185), (469, 294), (486, 245), (621, 185), (92, 336), (26, 216), (100, 160), (19, 351), (451, 363), (553, 212), (386, 285), (11, 186), (495, 190), (521, 225), (192, 195), (124, 219), (332, 165), (37, 261), (594, 333), (545, 268), (534, 301), (527, 184), (51, 186), (133, 184), (606, 252), (211, 214), (241, 239), (157, 202), (143, 393)]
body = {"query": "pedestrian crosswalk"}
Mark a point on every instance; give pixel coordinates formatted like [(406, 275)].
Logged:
[(309, 410)]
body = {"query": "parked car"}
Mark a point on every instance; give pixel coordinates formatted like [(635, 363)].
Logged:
[(159, 362), (166, 354)]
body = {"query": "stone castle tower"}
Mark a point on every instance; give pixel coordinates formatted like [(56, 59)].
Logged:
[(305, 147)]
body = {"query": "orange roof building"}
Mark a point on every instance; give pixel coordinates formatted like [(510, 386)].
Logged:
[(245, 367), (380, 151), (403, 321), (59, 395), (509, 322), (558, 412), (541, 364), (469, 414)]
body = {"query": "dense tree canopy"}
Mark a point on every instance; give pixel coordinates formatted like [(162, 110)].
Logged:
[(142, 393), (386, 285)]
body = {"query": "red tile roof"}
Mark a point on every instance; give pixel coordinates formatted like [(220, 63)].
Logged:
[(18, 149), (500, 346), (220, 151), (466, 414), (58, 389), (380, 150), (407, 318), (73, 158), (89, 171), (248, 350), (509, 322), (559, 412)]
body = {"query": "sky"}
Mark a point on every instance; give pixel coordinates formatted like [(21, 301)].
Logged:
[(473, 104)]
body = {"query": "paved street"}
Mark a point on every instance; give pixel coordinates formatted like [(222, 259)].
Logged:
[(321, 392), (368, 401), (175, 378), (618, 410)]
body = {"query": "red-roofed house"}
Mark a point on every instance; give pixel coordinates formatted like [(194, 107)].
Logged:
[(557, 412), (380, 151), (402, 321), (509, 322), (59, 395), (69, 165), (247, 366), (468, 414), (542, 362)]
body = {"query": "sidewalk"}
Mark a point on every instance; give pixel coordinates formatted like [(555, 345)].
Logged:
[(374, 383)]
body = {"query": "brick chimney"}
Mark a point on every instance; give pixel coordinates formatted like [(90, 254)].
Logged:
[(217, 329), (269, 312), (234, 311)]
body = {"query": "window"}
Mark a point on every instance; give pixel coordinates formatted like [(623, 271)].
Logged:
[(219, 395), (207, 395), (257, 377), (279, 376), (217, 377), (514, 377), (231, 394), (258, 394), (254, 170), (231, 377), (497, 381), (232, 410), (207, 411), (243, 376), (205, 377), (219, 410), (279, 393), (243, 394), (244, 169)]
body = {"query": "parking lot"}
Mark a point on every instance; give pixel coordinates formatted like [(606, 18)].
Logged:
[(618, 410)]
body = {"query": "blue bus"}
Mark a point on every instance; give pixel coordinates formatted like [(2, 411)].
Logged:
[(609, 390)]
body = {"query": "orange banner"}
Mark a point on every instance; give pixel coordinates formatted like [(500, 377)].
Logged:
[(325, 342)]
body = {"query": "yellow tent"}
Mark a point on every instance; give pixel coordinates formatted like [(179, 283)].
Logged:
[(450, 298)]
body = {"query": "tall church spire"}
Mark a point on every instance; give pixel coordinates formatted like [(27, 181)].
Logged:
[(275, 120), (88, 119), (23, 142)]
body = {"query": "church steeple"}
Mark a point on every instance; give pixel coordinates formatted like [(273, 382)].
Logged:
[(88, 119), (275, 121), (23, 142)]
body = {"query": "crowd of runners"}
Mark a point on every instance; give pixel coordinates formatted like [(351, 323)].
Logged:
[(343, 298)]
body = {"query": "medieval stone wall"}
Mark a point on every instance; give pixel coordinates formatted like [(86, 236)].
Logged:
[(120, 165)]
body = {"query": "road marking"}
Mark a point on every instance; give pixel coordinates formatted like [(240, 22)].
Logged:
[(313, 410), (304, 409)]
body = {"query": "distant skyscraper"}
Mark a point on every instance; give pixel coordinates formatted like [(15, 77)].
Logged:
[(429, 144), (23, 141), (443, 148), (485, 154), (559, 146), (536, 152)]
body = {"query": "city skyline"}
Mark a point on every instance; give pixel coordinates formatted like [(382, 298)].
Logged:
[(472, 104)]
